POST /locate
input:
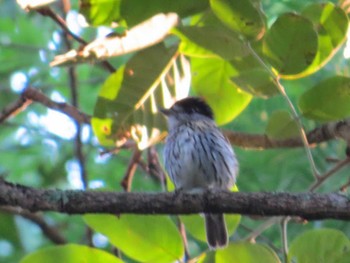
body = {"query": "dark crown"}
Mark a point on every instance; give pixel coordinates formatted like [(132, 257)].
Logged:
[(195, 105)]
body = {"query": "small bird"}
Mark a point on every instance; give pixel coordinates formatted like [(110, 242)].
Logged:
[(198, 156)]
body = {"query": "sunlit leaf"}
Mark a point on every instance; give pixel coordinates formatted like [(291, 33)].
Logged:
[(70, 253), (212, 80), (331, 24), (281, 125), (208, 257), (328, 100), (33, 5), (243, 17), (257, 82), (143, 238), (247, 253), (291, 44), (321, 245), (129, 99), (100, 12), (141, 36), (217, 40)]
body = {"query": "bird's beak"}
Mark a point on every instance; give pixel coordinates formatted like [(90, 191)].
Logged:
[(166, 112)]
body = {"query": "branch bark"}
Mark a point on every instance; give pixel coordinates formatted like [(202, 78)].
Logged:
[(309, 206)]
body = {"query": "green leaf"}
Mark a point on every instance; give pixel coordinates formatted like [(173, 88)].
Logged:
[(240, 16), (16, 34), (281, 125), (196, 227), (331, 24), (211, 79), (212, 39), (208, 257), (8, 229), (321, 245), (257, 82), (135, 11), (70, 253), (291, 44), (129, 98), (328, 100), (100, 12), (343, 258), (247, 253), (143, 238)]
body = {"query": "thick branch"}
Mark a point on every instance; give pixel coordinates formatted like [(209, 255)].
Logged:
[(326, 132), (306, 205)]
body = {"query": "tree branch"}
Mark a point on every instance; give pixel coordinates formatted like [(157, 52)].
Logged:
[(326, 132), (49, 231), (310, 206), (323, 133), (71, 111), (14, 108)]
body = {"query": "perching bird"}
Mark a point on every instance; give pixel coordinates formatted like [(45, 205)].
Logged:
[(198, 156)]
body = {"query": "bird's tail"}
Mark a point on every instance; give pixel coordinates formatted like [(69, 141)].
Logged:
[(216, 230)]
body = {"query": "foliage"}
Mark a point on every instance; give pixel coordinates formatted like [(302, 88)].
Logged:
[(239, 55)]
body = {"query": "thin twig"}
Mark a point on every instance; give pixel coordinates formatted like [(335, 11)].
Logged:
[(345, 186), (293, 110), (46, 11), (69, 110), (130, 171), (50, 232), (328, 174), (284, 237), (73, 86), (182, 231), (154, 167), (261, 228), (14, 108), (262, 237)]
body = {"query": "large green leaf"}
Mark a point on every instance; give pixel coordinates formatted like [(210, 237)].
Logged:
[(128, 101), (291, 44), (257, 81), (212, 80), (331, 24), (143, 238), (247, 253), (70, 253), (104, 12), (328, 100), (321, 245), (135, 11), (195, 225), (344, 258), (281, 125), (243, 17), (218, 40)]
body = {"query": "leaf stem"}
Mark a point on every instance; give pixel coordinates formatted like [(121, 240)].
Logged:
[(281, 89), (284, 237)]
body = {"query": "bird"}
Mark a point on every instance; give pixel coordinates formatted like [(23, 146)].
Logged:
[(197, 156)]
